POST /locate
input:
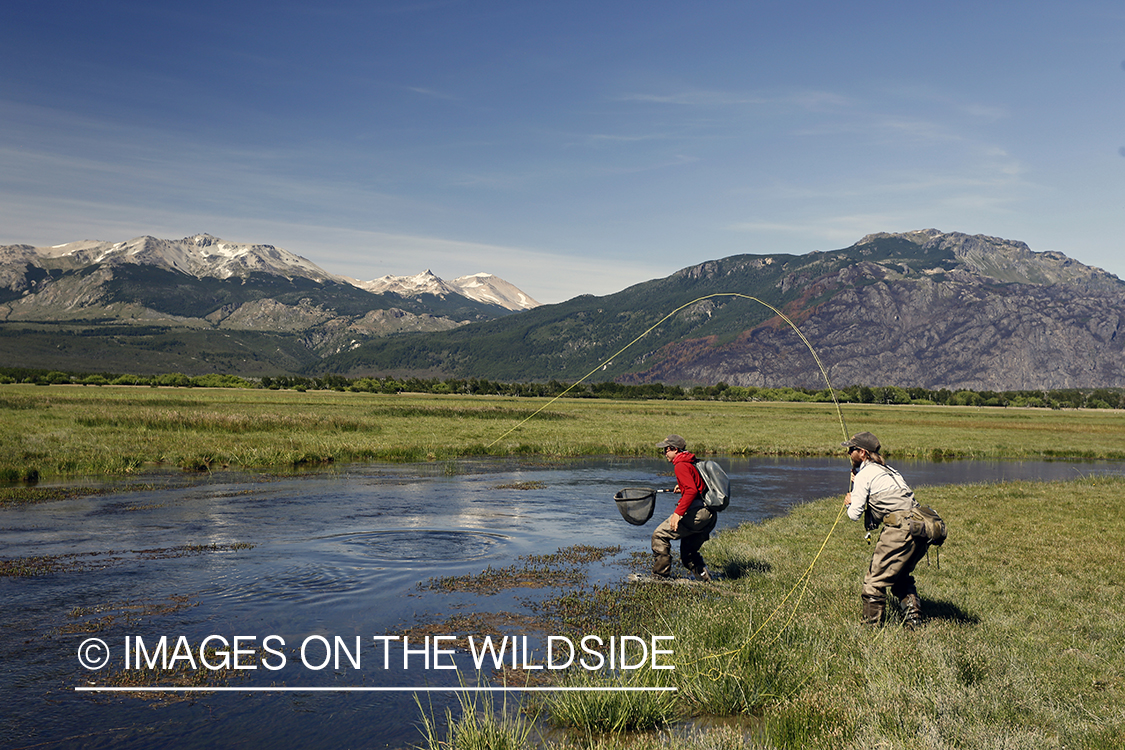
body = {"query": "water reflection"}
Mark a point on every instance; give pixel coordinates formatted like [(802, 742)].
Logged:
[(333, 554)]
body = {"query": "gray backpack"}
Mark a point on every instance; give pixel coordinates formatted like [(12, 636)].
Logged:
[(717, 495)]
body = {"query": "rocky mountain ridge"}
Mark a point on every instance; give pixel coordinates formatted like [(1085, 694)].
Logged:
[(204, 255), (1003, 260), (199, 255), (204, 282), (926, 308)]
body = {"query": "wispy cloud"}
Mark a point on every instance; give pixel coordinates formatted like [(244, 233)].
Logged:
[(694, 99), (545, 275), (841, 230), (800, 99), (434, 94), (598, 138)]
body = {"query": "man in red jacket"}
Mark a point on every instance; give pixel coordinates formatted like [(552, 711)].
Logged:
[(690, 522)]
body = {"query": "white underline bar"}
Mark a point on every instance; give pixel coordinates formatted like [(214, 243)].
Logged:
[(286, 689)]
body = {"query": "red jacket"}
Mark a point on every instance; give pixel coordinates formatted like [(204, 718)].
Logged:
[(689, 479)]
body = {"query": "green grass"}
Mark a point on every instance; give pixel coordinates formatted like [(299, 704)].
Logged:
[(482, 725), (1023, 645), (612, 711), (68, 431)]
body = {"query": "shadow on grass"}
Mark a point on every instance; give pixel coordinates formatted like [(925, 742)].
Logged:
[(936, 609), (740, 568)]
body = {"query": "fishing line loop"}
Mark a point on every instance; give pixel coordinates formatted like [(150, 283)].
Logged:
[(657, 324), (806, 577)]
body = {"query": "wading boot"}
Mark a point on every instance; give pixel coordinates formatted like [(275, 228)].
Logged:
[(873, 610), (661, 564), (911, 612)]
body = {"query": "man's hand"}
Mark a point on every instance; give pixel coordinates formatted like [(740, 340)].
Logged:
[(847, 499), (674, 521)]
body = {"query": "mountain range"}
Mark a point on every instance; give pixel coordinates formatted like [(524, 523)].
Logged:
[(926, 308), (202, 283)]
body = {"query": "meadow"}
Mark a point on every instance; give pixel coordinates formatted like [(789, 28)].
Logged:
[(1024, 640), (1023, 644), (66, 431)]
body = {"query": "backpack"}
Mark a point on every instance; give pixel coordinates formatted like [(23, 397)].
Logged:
[(717, 495)]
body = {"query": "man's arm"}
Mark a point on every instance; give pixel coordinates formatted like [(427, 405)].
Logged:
[(857, 498), (689, 483)]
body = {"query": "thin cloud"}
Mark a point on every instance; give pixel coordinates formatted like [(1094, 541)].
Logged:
[(809, 100), (547, 276), (694, 99), (434, 94), (596, 138), (876, 125), (835, 230)]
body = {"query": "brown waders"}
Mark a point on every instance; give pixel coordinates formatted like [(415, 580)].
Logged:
[(896, 554), (693, 530)]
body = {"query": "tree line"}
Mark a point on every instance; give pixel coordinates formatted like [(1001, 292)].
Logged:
[(1069, 398)]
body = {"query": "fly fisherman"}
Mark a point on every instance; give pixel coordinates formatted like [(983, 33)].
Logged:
[(879, 495), (690, 522)]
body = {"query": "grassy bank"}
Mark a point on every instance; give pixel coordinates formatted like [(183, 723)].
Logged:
[(1023, 645), (60, 431)]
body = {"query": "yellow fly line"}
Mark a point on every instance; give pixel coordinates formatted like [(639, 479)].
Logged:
[(802, 582), (656, 325)]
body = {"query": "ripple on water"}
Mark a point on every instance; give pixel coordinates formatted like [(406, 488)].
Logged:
[(322, 569), (394, 546), (305, 583)]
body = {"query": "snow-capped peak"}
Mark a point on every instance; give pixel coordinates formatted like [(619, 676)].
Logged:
[(408, 286), (484, 287), (481, 287), (200, 255), (203, 255)]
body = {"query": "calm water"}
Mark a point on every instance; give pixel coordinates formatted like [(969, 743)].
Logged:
[(334, 555)]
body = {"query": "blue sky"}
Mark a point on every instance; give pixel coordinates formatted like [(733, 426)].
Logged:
[(568, 147)]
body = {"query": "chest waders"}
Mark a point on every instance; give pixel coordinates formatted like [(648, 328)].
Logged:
[(900, 545)]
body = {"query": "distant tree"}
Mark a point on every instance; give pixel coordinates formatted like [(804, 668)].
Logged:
[(172, 379), (965, 398)]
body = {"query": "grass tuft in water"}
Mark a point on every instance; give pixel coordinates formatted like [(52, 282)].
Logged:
[(481, 726), (611, 711)]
